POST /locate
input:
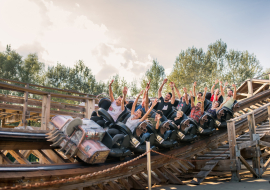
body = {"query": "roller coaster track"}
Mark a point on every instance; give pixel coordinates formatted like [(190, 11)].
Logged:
[(132, 175)]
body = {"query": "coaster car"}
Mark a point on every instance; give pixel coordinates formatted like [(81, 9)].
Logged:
[(77, 137), (159, 141), (226, 113), (138, 137), (208, 123)]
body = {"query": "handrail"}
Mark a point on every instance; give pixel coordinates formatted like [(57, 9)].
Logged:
[(7, 86), (249, 113), (46, 87)]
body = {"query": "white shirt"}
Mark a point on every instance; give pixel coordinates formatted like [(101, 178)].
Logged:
[(114, 110), (132, 124)]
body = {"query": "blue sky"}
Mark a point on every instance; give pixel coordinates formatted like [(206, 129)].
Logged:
[(123, 37)]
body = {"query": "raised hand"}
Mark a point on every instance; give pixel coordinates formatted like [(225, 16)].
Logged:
[(111, 83), (205, 89), (220, 82), (233, 85), (125, 90), (171, 84), (195, 83), (216, 81), (141, 93), (185, 89), (190, 93), (155, 102), (165, 80), (226, 83)]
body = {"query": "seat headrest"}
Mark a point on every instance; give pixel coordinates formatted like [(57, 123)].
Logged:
[(105, 103)]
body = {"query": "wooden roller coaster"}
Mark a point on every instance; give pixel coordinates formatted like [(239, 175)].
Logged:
[(247, 137)]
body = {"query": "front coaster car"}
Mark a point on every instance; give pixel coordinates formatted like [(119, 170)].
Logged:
[(79, 137)]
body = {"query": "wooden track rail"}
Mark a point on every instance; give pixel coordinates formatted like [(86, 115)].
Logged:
[(177, 163)]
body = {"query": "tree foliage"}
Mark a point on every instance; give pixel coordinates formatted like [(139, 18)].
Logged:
[(156, 73)]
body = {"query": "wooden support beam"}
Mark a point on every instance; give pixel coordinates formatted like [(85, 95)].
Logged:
[(250, 88), (162, 177), (135, 183), (248, 166), (172, 178), (5, 159), (45, 113), (43, 158), (259, 89), (89, 108), (232, 143), (266, 164), (19, 157), (114, 185), (25, 104), (125, 183)]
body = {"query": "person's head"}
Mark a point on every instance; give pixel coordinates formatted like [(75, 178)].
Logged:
[(199, 95), (144, 101), (230, 93), (179, 114), (198, 106), (216, 104), (159, 113), (118, 100), (217, 91), (138, 114), (184, 98), (168, 96)]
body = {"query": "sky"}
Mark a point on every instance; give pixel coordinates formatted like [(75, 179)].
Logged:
[(123, 37)]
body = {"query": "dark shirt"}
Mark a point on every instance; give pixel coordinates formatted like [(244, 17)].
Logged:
[(183, 106), (178, 121), (165, 107), (213, 112)]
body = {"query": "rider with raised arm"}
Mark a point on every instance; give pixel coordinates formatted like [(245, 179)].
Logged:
[(118, 105), (165, 104), (198, 109), (230, 98), (145, 101), (199, 96), (213, 92), (183, 104)]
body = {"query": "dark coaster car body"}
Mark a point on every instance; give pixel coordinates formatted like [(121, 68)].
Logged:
[(77, 137)]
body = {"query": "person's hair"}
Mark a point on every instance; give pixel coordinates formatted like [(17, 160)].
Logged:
[(170, 94), (199, 102), (231, 90), (200, 93), (126, 102), (218, 103), (141, 112), (121, 96), (160, 113), (182, 113)]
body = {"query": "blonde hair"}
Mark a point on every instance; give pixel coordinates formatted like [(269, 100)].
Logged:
[(182, 113)]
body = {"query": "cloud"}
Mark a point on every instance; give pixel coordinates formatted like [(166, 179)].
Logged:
[(35, 47), (106, 72)]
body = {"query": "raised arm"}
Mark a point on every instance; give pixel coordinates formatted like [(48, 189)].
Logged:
[(220, 106), (111, 92), (157, 124), (177, 91), (149, 111), (203, 99), (234, 91), (191, 99), (186, 97), (194, 86), (135, 103), (146, 96), (124, 98), (213, 87), (173, 93), (160, 88)]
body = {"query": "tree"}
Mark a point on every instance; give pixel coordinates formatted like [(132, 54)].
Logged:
[(133, 89), (118, 85), (10, 64), (156, 73), (31, 69)]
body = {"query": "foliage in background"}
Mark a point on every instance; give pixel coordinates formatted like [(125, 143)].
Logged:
[(156, 73)]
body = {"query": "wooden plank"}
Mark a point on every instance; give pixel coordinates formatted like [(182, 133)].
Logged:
[(246, 144), (25, 104), (6, 160), (125, 183), (46, 102), (43, 158), (248, 166), (162, 177), (203, 173), (223, 165), (172, 178), (114, 185), (250, 88), (175, 169), (266, 164), (259, 89), (135, 183), (19, 157), (263, 143)]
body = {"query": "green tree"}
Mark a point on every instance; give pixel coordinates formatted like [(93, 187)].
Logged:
[(156, 73), (133, 89), (118, 85)]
